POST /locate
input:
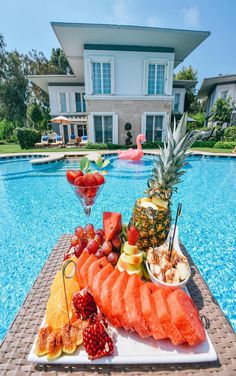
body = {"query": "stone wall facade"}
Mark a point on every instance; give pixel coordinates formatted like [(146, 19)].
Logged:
[(129, 111)]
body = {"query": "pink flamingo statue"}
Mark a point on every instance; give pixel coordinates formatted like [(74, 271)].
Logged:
[(133, 154)]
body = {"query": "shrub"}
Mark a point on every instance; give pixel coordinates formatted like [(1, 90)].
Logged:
[(199, 118), (152, 145), (203, 144), (230, 133), (225, 145), (96, 146), (27, 137), (6, 130)]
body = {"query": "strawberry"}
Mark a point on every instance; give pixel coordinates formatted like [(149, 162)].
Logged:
[(80, 173), (71, 176), (89, 180), (99, 178), (132, 234), (79, 181)]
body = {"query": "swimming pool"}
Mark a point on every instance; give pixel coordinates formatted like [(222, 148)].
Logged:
[(38, 205)]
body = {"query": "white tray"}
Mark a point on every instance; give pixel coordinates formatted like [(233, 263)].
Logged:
[(132, 349)]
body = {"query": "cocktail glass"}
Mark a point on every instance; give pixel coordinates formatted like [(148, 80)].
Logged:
[(87, 196)]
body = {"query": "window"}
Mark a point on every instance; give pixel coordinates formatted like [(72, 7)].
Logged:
[(224, 94), (101, 78), (80, 102), (81, 130), (103, 129), (156, 79), (62, 102), (154, 127), (176, 102)]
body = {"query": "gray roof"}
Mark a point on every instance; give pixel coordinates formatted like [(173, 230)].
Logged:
[(187, 84), (210, 83)]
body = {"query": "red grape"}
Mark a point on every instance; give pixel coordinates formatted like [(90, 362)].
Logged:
[(99, 254), (116, 242), (106, 248), (79, 231), (74, 240), (113, 258), (92, 246), (100, 231), (89, 229), (99, 239)]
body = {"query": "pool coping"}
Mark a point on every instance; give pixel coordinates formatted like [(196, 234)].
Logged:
[(17, 343), (50, 157)]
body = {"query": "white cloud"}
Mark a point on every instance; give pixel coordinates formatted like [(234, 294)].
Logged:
[(155, 21), (120, 13), (191, 16)]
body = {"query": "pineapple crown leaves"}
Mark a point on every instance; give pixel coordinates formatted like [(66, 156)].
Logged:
[(167, 169)]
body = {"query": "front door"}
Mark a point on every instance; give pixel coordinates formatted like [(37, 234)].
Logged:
[(65, 131)]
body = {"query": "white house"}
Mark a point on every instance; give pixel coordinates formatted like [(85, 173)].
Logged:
[(121, 74), (222, 86)]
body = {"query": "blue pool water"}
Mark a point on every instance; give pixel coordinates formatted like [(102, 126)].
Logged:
[(37, 205)]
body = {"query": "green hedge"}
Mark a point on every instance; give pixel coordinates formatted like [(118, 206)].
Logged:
[(96, 146), (230, 134), (225, 145), (27, 137), (152, 145), (203, 144)]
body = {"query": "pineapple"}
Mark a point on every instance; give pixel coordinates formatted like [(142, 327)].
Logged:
[(166, 174)]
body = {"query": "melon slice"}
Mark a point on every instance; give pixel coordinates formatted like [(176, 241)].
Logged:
[(98, 281), (106, 297), (95, 268), (133, 307), (112, 224), (164, 316), (84, 270), (117, 304), (80, 262), (186, 317), (149, 311)]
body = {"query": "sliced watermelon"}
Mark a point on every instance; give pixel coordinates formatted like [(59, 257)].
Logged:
[(112, 224), (95, 268), (106, 296), (149, 311), (164, 316), (133, 307), (98, 281), (186, 317), (84, 270), (117, 304), (80, 262)]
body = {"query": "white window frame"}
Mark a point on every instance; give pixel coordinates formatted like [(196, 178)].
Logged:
[(91, 128), (89, 73), (81, 99), (224, 91), (168, 76), (175, 95), (59, 102), (165, 121)]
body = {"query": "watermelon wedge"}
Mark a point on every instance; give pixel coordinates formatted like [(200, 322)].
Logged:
[(112, 224), (106, 296), (164, 316), (98, 281), (95, 268), (149, 311), (117, 304), (133, 307), (80, 262), (186, 317), (84, 270)]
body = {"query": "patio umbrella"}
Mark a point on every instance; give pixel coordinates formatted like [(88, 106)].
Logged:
[(60, 120)]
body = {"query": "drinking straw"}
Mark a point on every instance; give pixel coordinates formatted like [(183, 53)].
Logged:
[(178, 213)]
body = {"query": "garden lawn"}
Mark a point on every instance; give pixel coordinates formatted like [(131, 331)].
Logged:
[(15, 148)]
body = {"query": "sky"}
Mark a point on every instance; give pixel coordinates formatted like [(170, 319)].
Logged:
[(25, 24)]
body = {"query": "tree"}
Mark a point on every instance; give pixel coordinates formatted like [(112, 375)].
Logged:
[(58, 62), (222, 110), (35, 115), (188, 73)]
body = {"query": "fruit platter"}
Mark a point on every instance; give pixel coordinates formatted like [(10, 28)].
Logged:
[(120, 295)]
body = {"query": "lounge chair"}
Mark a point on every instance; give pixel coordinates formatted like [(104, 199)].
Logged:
[(44, 142), (57, 142), (72, 141)]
